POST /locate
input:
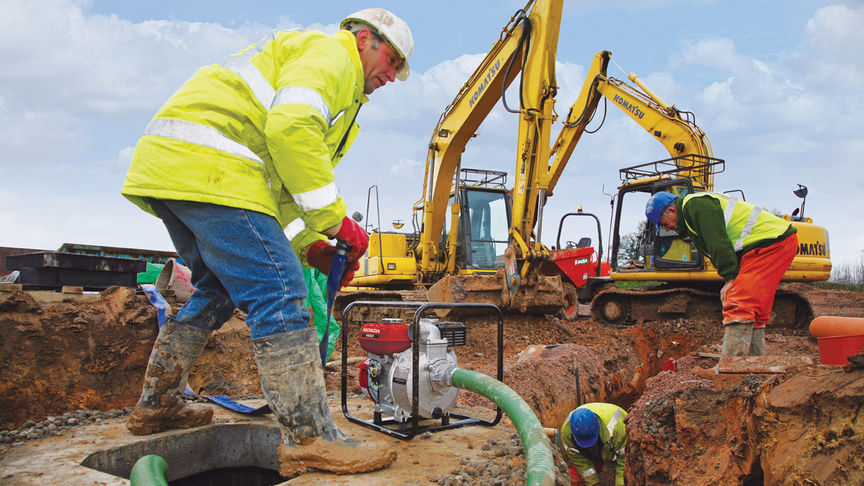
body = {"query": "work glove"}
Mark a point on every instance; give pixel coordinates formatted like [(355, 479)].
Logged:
[(320, 255), (354, 236)]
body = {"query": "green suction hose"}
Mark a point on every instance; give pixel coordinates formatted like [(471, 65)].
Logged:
[(150, 470), (540, 466)]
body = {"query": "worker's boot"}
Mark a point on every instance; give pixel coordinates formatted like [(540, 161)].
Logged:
[(757, 342), (736, 338), (161, 406), (293, 383)]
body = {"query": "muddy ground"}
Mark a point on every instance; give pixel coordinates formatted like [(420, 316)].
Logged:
[(65, 353)]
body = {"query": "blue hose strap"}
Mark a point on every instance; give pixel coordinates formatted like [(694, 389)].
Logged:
[(230, 404), (163, 310)]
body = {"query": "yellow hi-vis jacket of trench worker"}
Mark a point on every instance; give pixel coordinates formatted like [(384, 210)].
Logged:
[(261, 130)]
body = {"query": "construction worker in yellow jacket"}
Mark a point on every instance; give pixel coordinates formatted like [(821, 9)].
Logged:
[(244, 149), (594, 435)]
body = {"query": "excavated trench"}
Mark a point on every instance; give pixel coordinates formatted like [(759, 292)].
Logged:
[(784, 422)]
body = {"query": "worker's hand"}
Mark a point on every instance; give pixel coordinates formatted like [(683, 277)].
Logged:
[(349, 274), (320, 255), (724, 290), (355, 237)]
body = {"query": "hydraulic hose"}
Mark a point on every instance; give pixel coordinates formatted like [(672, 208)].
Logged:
[(149, 470), (540, 466)]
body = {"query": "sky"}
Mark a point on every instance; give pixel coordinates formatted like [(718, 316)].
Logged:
[(778, 86)]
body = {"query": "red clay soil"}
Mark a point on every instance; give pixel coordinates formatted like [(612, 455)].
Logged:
[(64, 356), (800, 427)]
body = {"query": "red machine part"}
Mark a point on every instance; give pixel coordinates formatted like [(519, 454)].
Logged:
[(384, 338), (577, 264), (363, 378)]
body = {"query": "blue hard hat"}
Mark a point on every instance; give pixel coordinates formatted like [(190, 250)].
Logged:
[(584, 427), (656, 205)]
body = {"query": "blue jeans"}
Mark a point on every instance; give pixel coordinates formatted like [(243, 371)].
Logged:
[(238, 258)]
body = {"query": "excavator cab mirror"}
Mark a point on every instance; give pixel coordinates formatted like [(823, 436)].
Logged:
[(798, 213)]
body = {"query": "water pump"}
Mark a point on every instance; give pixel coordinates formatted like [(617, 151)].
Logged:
[(386, 375)]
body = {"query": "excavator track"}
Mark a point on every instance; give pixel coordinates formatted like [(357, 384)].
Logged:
[(628, 307)]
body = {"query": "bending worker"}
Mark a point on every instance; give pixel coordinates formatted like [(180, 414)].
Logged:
[(243, 149), (594, 435), (751, 249)]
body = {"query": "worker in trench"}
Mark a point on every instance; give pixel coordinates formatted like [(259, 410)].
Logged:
[(751, 249), (594, 435), (245, 149)]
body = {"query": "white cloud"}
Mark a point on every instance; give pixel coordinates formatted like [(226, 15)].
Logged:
[(63, 68), (124, 157), (836, 33)]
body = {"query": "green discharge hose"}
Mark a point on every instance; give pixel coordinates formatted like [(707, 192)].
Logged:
[(540, 467), (150, 470)]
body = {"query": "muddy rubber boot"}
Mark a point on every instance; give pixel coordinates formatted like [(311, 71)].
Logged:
[(293, 383), (736, 338), (161, 406), (757, 342)]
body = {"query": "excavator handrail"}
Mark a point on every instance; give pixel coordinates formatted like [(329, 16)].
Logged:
[(672, 167)]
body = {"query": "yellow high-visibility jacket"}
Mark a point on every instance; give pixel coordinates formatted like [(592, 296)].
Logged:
[(261, 130), (724, 228), (612, 443)]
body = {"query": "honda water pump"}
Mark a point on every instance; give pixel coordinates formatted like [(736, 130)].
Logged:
[(386, 375)]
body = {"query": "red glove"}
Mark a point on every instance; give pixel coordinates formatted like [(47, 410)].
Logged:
[(320, 255), (355, 237)]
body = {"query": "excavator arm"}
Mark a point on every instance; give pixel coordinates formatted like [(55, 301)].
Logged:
[(528, 44), (674, 129)]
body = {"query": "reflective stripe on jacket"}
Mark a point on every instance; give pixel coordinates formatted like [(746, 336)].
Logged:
[(261, 130), (613, 441), (723, 228), (745, 223)]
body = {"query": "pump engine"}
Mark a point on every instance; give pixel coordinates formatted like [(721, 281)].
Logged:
[(386, 375)]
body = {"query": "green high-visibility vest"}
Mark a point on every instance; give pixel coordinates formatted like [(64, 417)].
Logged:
[(745, 223)]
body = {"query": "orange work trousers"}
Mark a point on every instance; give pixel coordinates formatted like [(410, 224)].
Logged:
[(750, 296)]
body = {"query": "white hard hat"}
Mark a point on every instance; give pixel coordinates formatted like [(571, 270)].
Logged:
[(391, 28)]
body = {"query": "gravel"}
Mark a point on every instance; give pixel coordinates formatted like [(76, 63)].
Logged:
[(54, 426), (502, 462)]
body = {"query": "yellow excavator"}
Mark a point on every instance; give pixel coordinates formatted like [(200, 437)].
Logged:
[(474, 239), (691, 282)]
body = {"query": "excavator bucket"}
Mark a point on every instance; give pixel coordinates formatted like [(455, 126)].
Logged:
[(545, 296)]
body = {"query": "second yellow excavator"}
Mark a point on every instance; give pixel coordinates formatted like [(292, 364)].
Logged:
[(689, 282)]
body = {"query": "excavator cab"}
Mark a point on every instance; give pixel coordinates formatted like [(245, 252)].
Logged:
[(488, 219), (658, 248), (484, 220)]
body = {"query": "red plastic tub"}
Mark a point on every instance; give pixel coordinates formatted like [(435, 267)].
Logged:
[(834, 350)]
